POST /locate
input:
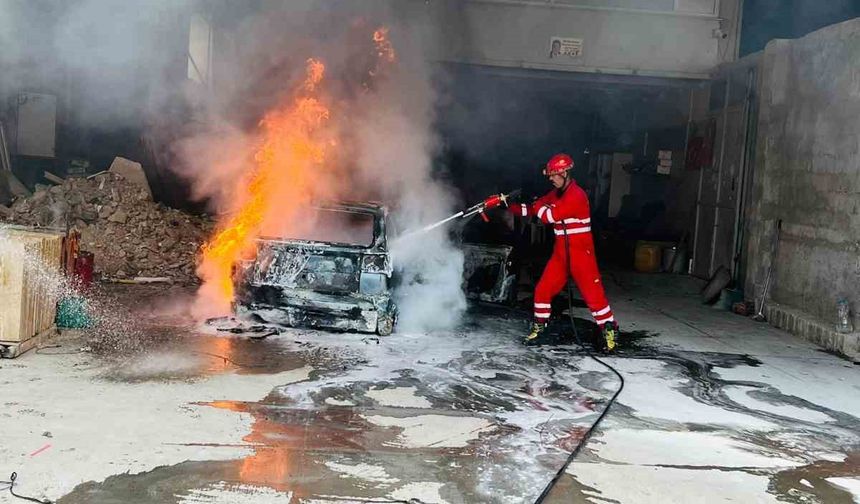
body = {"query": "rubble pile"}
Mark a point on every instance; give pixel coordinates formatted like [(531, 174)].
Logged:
[(129, 234)]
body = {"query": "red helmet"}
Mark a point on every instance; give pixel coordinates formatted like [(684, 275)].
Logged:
[(558, 164)]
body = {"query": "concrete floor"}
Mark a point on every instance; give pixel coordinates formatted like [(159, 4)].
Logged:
[(717, 408)]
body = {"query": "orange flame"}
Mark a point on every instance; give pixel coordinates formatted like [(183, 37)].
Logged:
[(290, 170), (290, 153), (384, 48), (385, 54)]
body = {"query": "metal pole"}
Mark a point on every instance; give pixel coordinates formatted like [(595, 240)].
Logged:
[(744, 169), (693, 255), (720, 174)]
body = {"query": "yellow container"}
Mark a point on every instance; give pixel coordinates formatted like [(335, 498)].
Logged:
[(647, 257)]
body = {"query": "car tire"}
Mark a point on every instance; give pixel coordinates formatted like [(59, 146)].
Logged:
[(385, 325)]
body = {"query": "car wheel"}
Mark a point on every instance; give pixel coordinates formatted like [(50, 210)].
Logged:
[(385, 325)]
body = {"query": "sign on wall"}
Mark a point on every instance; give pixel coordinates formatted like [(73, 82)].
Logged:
[(564, 47)]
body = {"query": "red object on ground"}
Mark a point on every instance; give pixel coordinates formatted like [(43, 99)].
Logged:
[(84, 268), (40, 450)]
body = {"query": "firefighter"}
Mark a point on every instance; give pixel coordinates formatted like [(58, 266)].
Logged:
[(566, 209)]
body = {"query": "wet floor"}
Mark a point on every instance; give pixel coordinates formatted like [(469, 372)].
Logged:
[(472, 416), (195, 356), (403, 410)]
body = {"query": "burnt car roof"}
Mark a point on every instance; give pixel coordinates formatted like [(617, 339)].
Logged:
[(374, 207), (378, 210)]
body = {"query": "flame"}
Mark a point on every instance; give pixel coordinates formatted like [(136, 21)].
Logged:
[(316, 71), (385, 54), (384, 48), (292, 167), (287, 165)]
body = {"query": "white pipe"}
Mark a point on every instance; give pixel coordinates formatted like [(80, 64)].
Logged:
[(551, 4), (720, 174)]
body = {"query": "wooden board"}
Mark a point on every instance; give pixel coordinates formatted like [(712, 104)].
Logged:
[(30, 264)]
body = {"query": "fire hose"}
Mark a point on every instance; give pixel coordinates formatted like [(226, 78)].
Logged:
[(11, 489), (502, 199), (584, 440), (497, 200)]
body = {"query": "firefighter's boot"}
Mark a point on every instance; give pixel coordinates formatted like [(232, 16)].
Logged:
[(610, 337), (534, 336)]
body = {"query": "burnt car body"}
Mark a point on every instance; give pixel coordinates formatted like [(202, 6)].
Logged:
[(348, 286), (327, 284), (488, 273)]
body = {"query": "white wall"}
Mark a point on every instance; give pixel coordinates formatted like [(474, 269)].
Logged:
[(669, 38)]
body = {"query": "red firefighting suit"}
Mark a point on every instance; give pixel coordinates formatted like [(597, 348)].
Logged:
[(567, 211)]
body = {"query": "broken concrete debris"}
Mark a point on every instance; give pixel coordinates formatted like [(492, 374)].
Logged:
[(53, 178), (131, 171), (130, 235)]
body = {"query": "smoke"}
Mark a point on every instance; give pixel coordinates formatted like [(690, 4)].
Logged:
[(397, 145), (116, 68), (105, 60), (375, 140)]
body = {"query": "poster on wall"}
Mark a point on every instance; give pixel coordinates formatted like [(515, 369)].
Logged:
[(565, 47)]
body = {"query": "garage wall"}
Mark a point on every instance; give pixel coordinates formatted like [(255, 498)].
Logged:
[(808, 171), (765, 20), (646, 37), (727, 125)]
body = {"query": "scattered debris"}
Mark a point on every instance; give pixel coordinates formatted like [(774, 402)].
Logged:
[(131, 236), (94, 175), (53, 178), (5, 193), (5, 160), (146, 280), (233, 325), (131, 171), (746, 308), (16, 186)]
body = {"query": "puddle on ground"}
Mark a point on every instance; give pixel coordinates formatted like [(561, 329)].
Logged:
[(809, 483), (560, 332), (296, 445), (569, 490), (306, 454), (186, 355)]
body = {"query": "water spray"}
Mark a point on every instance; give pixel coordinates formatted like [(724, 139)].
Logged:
[(493, 201)]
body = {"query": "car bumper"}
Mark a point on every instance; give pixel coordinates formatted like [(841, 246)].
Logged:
[(299, 308)]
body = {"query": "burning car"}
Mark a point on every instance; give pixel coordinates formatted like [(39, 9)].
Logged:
[(338, 273), (336, 277)]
